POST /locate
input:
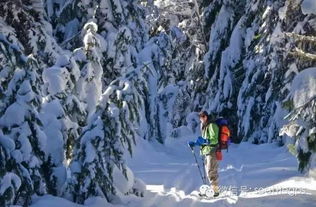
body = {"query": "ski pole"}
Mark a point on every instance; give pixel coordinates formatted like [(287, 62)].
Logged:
[(204, 170), (198, 165)]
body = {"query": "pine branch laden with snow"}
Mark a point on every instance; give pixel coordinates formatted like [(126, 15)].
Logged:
[(302, 41), (301, 54), (119, 24), (35, 34), (299, 37), (90, 40), (88, 61)]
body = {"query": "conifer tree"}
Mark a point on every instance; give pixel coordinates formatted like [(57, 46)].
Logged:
[(23, 141)]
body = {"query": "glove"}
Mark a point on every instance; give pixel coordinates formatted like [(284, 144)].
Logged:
[(201, 141), (191, 144)]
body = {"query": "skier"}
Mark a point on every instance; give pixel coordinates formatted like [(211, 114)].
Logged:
[(208, 144)]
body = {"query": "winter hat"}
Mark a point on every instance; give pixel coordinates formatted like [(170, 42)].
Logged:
[(203, 113)]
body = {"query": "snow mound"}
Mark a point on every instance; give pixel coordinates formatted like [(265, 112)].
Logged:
[(123, 184)]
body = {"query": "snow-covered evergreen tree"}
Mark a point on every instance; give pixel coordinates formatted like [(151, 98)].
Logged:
[(63, 115), (246, 64), (301, 126), (23, 141), (27, 18), (178, 29), (109, 134), (82, 81), (120, 23)]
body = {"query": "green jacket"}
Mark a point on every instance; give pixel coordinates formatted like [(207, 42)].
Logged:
[(210, 132)]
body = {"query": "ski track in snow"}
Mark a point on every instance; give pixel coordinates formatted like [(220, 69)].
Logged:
[(173, 179)]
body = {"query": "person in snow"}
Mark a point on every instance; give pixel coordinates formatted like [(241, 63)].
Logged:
[(208, 144)]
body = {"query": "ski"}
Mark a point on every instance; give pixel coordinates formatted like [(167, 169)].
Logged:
[(203, 196)]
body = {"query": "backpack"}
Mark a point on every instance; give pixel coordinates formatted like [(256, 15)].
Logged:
[(224, 133)]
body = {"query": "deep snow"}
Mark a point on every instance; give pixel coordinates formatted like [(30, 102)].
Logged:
[(250, 175)]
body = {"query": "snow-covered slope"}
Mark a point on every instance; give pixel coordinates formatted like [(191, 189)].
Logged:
[(260, 175)]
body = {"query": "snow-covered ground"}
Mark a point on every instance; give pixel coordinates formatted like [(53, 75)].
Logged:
[(250, 175), (309, 7)]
